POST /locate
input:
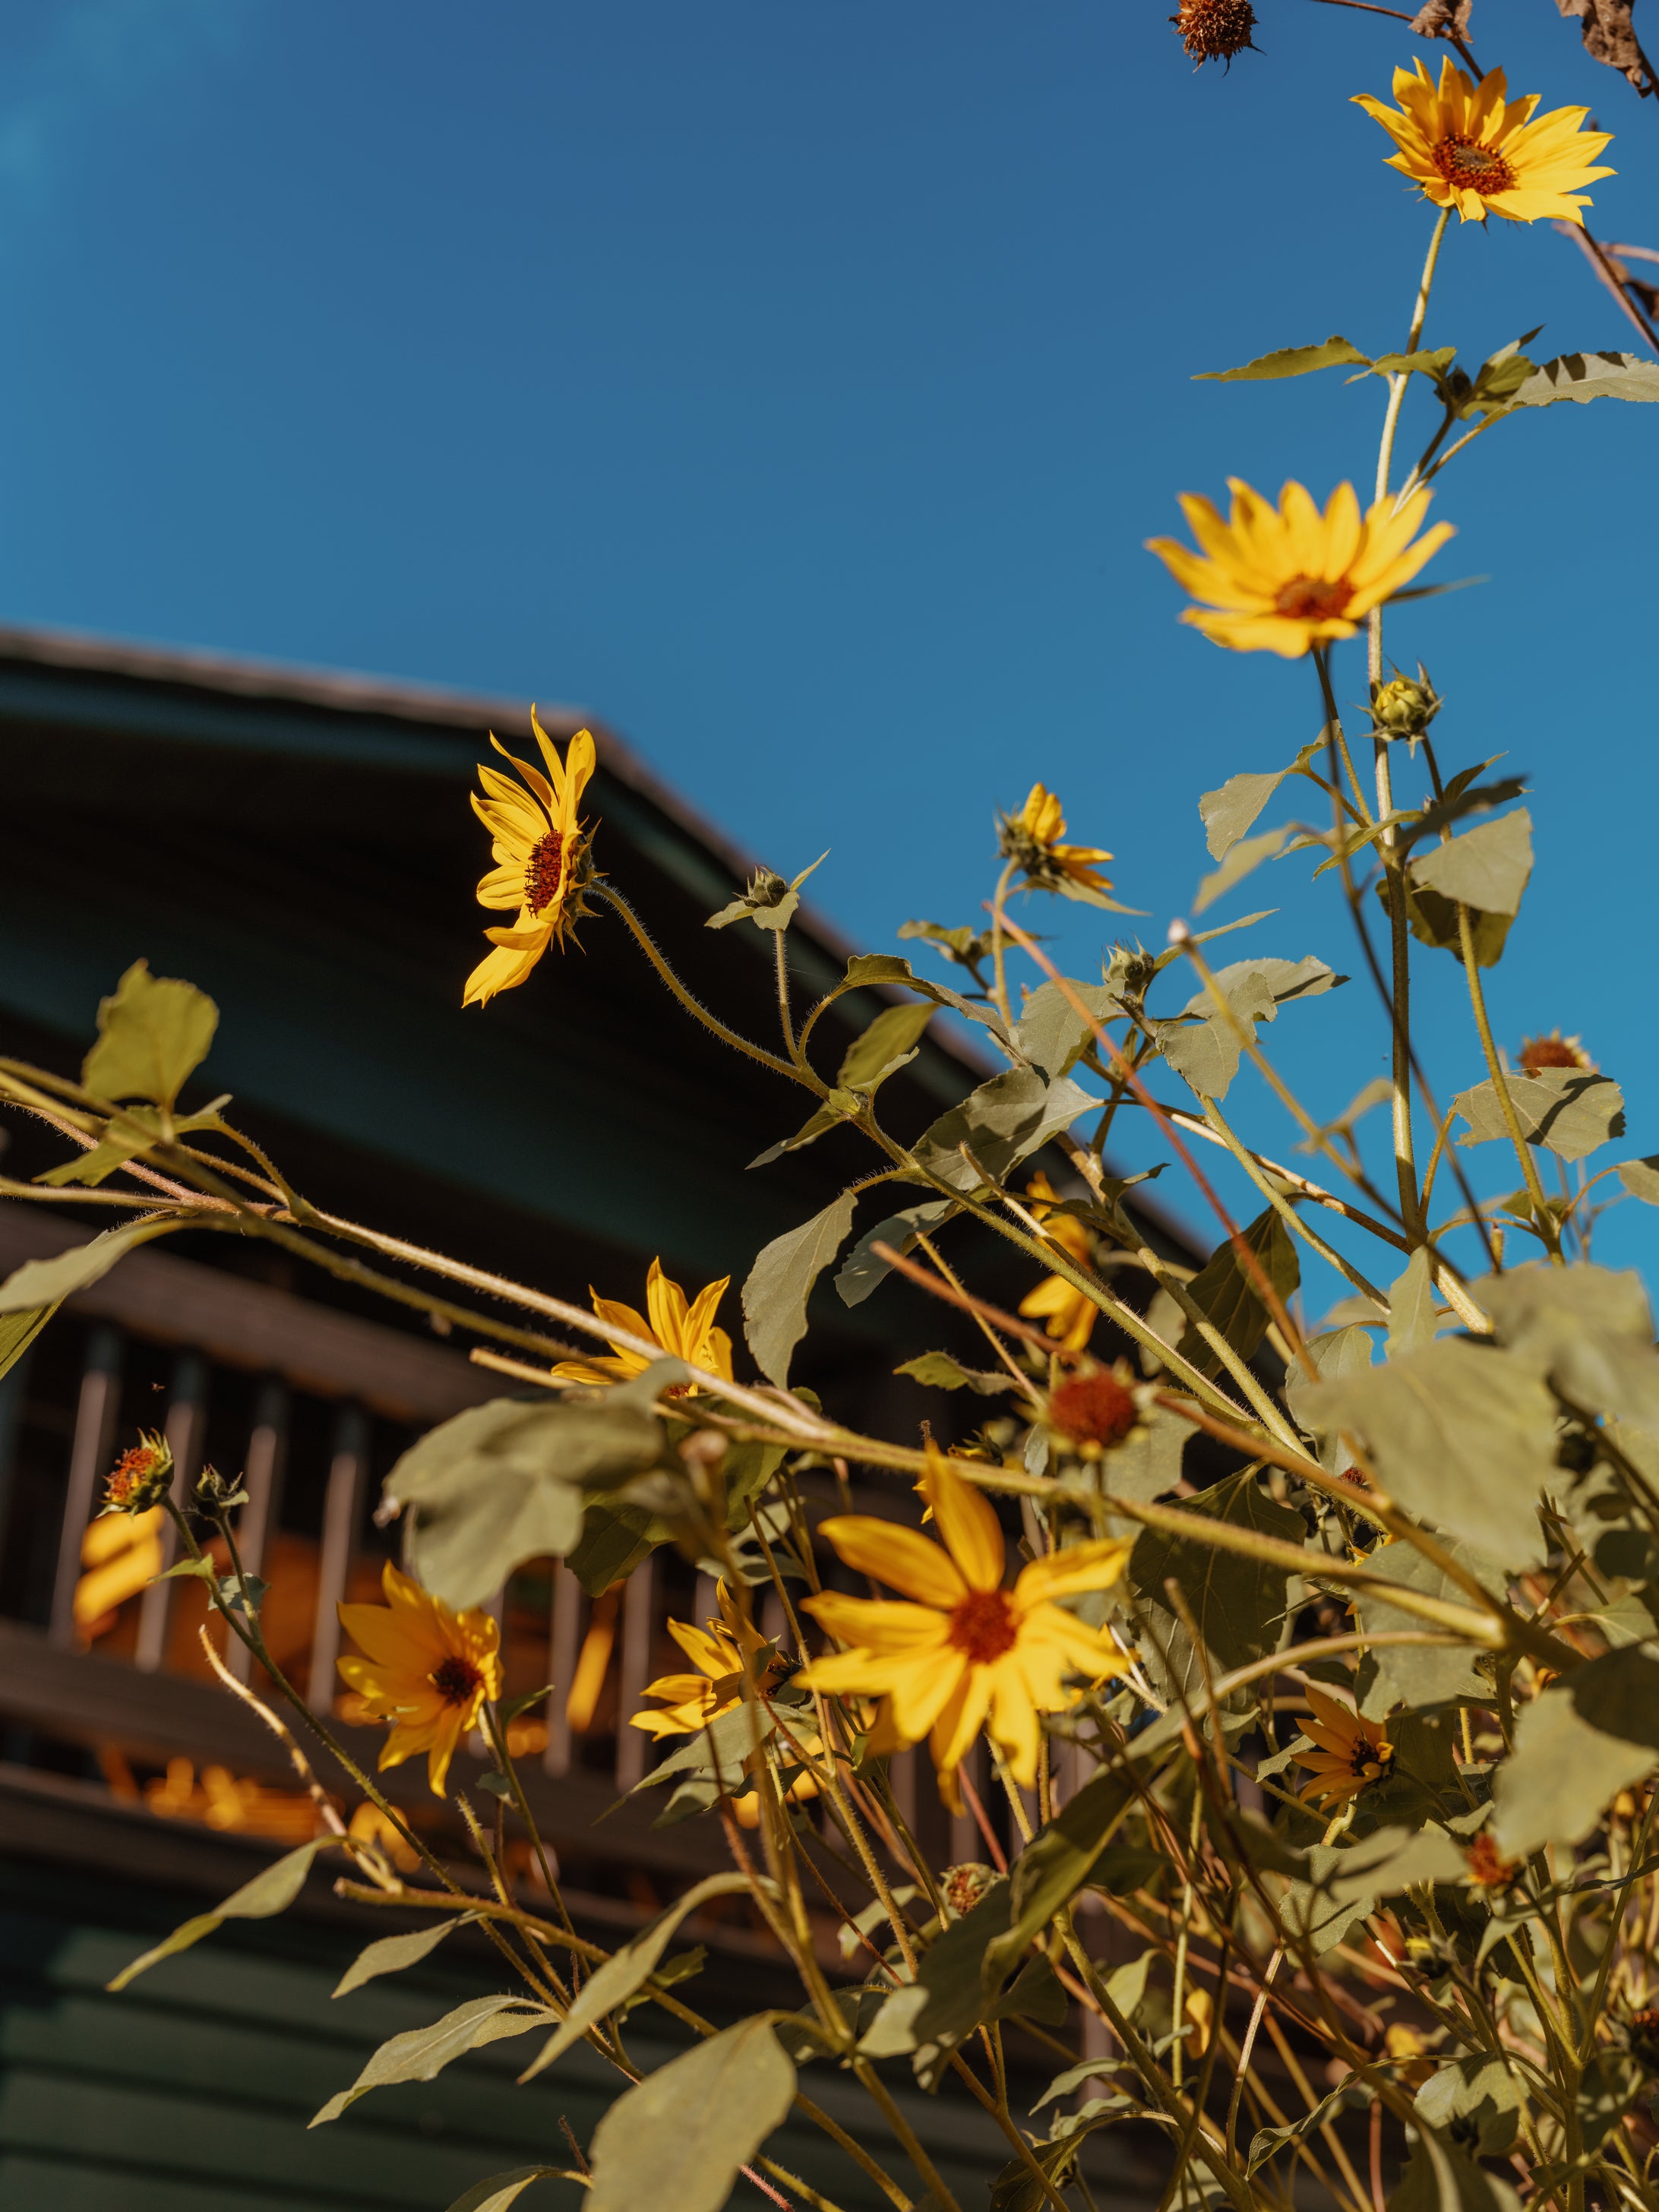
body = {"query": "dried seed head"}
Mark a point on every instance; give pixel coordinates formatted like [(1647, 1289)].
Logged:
[(1215, 30), (139, 1477), (1553, 1051), (1093, 1411), (963, 1886)]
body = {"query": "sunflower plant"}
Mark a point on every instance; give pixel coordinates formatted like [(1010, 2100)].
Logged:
[(1295, 1682)]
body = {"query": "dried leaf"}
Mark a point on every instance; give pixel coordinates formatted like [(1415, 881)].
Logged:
[(1610, 37), (1443, 19)]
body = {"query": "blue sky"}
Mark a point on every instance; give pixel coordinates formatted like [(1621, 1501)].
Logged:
[(795, 387)]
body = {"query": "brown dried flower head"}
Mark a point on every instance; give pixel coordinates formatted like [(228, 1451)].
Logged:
[(1215, 30), (139, 1477), (1553, 1051), (1093, 1411), (963, 1886), (1488, 1867)]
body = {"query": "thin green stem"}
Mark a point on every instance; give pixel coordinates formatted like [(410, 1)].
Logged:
[(1541, 1214), (699, 1012)]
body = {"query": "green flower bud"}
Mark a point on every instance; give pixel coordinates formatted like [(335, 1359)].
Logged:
[(1404, 707)]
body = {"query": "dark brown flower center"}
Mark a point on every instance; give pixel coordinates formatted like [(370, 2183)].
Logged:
[(1548, 1052), (456, 1680), (1469, 168), (1370, 1761), (1214, 30), (540, 875), (1314, 598), (982, 1625), (1093, 1409)]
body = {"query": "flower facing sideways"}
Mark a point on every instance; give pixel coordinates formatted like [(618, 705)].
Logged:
[(428, 1671), (684, 1328), (1032, 839), (964, 1653), (1554, 1051), (1471, 147), (1284, 579), (1067, 1314), (723, 1653), (539, 845), (1351, 1752)]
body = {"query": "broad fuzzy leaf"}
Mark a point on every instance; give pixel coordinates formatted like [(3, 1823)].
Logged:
[(781, 1282), (1228, 813), (39, 1285), (1485, 867), (1590, 1735), (861, 1270), (1461, 1435), (679, 2137), (503, 1482), (1414, 1674), (1055, 1865), (1239, 1603), (1227, 1295), (1584, 376), (1568, 1110), (152, 1034), (1052, 1034), (1412, 1315), (1012, 1115)]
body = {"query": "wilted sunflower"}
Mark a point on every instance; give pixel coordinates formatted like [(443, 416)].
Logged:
[(1353, 1753), (1032, 838), (1471, 147), (684, 1328), (1554, 1051), (539, 844), (1068, 1315), (967, 1650), (428, 1671), (1283, 579)]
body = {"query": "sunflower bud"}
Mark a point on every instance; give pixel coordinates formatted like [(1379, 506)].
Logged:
[(1404, 707), (140, 1477), (963, 1886), (1215, 30)]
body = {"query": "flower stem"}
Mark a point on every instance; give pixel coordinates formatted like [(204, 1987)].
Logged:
[(1541, 1214), (643, 938)]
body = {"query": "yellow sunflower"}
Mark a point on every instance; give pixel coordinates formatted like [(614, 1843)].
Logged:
[(1069, 1317), (1471, 147), (1353, 1753), (722, 1653), (682, 1328), (1283, 579), (538, 841), (966, 1651), (1032, 837), (428, 1672)]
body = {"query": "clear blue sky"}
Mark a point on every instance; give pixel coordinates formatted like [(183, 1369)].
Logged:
[(795, 386)]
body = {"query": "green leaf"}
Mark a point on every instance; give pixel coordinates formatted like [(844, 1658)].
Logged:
[(1204, 1047), (1432, 363), (1476, 799), (393, 1952), (967, 948), (679, 2137), (781, 1282), (861, 1270), (1584, 376), (1414, 1674), (1228, 813), (628, 1971), (1439, 2177), (1149, 1464), (1238, 1603), (615, 1538), (957, 1986), (769, 902), (1055, 1865), (1013, 1114), (503, 1482), (152, 1035), (1590, 1735), (1053, 1035), (18, 1331), (271, 1890), (502, 2191), (1432, 920), (1336, 1353), (1243, 859), (711, 1763), (1350, 2095), (1228, 1297), (1588, 1330), (1290, 360), (1568, 1110), (886, 1044), (422, 2053), (1461, 1434), (1412, 1316), (937, 1370), (868, 967), (1345, 1884), (1475, 2101), (1485, 867), (1641, 1178), (1608, 2086), (40, 1285)]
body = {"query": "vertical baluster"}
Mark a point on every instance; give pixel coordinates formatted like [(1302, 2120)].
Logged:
[(343, 1509), (705, 1605), (186, 1425), (639, 1619), (773, 1620), (14, 1388), (902, 1779), (94, 1435), (262, 1473), (563, 1644), (966, 1841)]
